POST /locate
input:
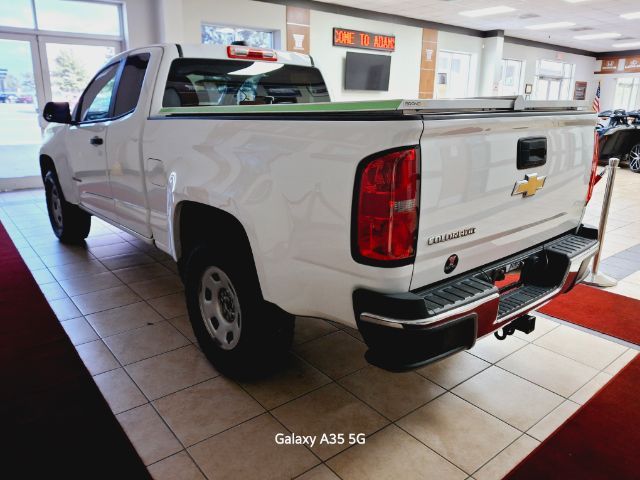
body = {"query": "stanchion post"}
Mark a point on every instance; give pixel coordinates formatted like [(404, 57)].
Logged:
[(596, 278)]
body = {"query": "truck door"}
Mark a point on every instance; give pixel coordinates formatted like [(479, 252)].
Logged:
[(87, 139), (124, 150)]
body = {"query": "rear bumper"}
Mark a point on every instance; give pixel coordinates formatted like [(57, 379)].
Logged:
[(407, 330)]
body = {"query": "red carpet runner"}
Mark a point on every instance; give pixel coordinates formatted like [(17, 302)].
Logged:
[(54, 422), (615, 315), (602, 439)]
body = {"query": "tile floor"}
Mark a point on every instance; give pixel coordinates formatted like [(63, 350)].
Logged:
[(472, 415)]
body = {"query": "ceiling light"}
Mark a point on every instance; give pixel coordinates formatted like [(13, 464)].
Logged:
[(596, 36), (631, 15), (483, 12), (575, 1), (548, 26), (626, 44)]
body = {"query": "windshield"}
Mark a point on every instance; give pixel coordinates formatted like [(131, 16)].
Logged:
[(202, 82)]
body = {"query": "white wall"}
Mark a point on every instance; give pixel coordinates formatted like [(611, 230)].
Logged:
[(455, 42), (585, 66), (405, 61), (142, 22), (241, 13)]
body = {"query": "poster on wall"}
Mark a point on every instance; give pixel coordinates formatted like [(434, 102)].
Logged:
[(580, 91), (343, 37)]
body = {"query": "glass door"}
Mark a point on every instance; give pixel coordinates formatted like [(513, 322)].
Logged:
[(21, 96)]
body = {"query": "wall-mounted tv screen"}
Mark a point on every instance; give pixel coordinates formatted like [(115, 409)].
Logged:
[(364, 71)]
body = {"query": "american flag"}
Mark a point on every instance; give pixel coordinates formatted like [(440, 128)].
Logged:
[(596, 101)]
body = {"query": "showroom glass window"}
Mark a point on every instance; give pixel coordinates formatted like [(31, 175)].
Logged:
[(512, 76), (96, 100), (627, 93), (221, 35), (554, 80), (453, 75)]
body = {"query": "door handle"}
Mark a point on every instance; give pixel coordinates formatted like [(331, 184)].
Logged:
[(96, 141), (532, 152)]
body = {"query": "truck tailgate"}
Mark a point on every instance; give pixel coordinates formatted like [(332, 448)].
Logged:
[(469, 168)]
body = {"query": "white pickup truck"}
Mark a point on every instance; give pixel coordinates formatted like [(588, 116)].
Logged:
[(425, 224)]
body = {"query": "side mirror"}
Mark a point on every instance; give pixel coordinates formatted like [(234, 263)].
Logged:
[(57, 112)]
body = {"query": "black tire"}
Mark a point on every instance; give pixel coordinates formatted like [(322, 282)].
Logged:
[(264, 331), (69, 222)]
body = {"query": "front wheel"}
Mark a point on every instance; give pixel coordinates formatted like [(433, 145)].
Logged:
[(240, 333), (69, 222), (634, 158)]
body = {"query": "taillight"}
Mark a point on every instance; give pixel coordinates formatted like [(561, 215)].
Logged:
[(386, 214), (250, 53), (594, 167)]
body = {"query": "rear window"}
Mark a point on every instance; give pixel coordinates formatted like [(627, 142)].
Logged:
[(202, 82)]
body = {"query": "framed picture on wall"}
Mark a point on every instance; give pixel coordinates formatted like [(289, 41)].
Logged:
[(528, 89), (580, 92)]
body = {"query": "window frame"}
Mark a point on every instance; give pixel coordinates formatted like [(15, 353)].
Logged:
[(116, 87), (78, 110), (520, 86), (470, 71), (567, 75), (274, 32)]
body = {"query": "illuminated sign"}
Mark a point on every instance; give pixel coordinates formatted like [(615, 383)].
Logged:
[(357, 39)]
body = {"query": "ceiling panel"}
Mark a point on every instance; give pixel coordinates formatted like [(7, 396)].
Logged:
[(600, 16)]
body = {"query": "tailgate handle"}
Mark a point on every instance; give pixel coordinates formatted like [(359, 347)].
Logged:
[(532, 152)]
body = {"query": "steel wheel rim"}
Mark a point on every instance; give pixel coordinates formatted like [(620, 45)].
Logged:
[(220, 308), (634, 158), (56, 206)]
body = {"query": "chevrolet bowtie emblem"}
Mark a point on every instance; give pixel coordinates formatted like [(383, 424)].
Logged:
[(529, 186)]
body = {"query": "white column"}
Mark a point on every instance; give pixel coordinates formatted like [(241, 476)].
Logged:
[(491, 65), (170, 18)]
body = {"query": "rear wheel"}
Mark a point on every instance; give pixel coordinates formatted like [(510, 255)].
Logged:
[(69, 222), (240, 333), (634, 158)]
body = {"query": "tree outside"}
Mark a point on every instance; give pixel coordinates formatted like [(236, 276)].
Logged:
[(69, 76)]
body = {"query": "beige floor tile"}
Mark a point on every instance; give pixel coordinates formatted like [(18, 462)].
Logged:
[(42, 277), (584, 347), (113, 249), (105, 299), (336, 354), (125, 261), (219, 457), (207, 408), (460, 432), (157, 287), (548, 369), (628, 289), (454, 369), (493, 350), (353, 332), (65, 257), (505, 395), (79, 331), (308, 328), (392, 454), (170, 306), (620, 362), (149, 435), (91, 283), (543, 326), (123, 319), (119, 390), (591, 388), (321, 472), (502, 464), (557, 417), (34, 263), (97, 357), (172, 371), (101, 240), (330, 409), (141, 272), (391, 394), (183, 324), (64, 309), (145, 342), (79, 269), (176, 467), (294, 379), (52, 291)]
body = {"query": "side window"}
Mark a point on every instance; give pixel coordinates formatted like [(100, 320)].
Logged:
[(97, 97), (130, 84)]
